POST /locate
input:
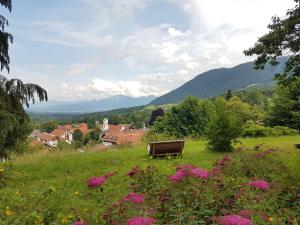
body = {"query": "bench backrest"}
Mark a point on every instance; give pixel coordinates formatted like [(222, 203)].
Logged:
[(166, 147)]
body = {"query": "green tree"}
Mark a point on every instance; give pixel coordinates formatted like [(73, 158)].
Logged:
[(48, 126), (155, 114), (244, 112), (190, 118), (223, 128), (78, 135), (95, 134), (228, 95), (283, 37), (285, 110), (13, 94)]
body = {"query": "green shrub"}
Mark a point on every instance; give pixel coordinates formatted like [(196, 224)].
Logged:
[(255, 186), (256, 130), (224, 127)]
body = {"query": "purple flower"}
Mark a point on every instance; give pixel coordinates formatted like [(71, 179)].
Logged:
[(200, 173), (134, 198), (96, 181), (79, 223), (260, 184), (233, 220), (141, 221), (177, 177)]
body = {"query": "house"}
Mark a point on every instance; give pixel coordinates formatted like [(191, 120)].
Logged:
[(120, 134), (106, 127), (132, 137), (47, 139), (67, 127), (63, 134), (34, 134), (83, 127)]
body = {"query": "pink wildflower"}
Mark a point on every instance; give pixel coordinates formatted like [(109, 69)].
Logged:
[(233, 220), (260, 184), (141, 221), (133, 171), (134, 198), (177, 177), (79, 223), (200, 173), (298, 196), (96, 181)]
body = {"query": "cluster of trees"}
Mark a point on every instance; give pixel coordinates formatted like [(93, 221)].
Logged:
[(79, 139), (216, 119), (15, 124)]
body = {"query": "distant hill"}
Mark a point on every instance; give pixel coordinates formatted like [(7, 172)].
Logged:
[(115, 102), (218, 81)]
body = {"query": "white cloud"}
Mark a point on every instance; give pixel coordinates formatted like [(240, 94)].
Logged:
[(161, 57)]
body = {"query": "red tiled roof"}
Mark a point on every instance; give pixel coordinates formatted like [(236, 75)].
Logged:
[(128, 136), (58, 132), (68, 127), (46, 137), (83, 127), (118, 128)]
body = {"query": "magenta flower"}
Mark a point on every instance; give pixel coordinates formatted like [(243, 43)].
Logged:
[(79, 223), (134, 198), (200, 173), (233, 220), (141, 221), (260, 184), (96, 181), (177, 177), (298, 196)]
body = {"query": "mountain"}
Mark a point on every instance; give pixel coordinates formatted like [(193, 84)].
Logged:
[(218, 81), (115, 102)]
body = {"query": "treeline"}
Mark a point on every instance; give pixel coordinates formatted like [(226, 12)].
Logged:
[(255, 112), (139, 116)]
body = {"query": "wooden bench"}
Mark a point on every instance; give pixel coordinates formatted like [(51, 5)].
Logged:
[(163, 148)]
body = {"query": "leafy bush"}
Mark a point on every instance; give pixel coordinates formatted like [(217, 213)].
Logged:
[(190, 118), (256, 130), (253, 188), (224, 128)]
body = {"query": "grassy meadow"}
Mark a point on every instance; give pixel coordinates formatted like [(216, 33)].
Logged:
[(43, 187)]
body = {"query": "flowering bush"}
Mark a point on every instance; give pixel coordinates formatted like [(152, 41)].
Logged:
[(95, 182), (235, 191), (233, 220), (260, 184), (134, 198), (141, 221)]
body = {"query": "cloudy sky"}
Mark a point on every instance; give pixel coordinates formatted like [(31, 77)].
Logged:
[(92, 49)]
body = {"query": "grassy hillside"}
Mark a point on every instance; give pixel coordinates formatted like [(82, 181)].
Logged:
[(52, 186)]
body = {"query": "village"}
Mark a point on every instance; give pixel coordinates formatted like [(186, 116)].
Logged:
[(110, 134)]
